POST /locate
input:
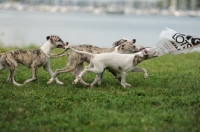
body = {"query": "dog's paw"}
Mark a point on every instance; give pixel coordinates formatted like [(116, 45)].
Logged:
[(128, 85), (91, 85), (57, 81), (123, 84), (49, 82), (27, 81), (19, 84), (145, 76), (76, 80), (73, 83), (60, 83), (88, 85)]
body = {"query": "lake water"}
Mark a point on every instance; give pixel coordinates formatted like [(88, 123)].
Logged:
[(21, 28)]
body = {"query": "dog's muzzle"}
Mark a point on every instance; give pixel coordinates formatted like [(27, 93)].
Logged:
[(60, 46)]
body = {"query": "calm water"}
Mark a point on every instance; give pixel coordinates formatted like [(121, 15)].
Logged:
[(23, 28)]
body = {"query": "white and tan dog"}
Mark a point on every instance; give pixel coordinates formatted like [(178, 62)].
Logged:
[(121, 63), (76, 60), (31, 58)]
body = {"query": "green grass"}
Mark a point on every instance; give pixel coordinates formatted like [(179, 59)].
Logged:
[(168, 100)]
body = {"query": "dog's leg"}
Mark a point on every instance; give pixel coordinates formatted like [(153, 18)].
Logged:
[(86, 69), (117, 75), (79, 77), (101, 75), (138, 69), (123, 80), (49, 70), (97, 70), (99, 82), (34, 73), (84, 83), (97, 78), (78, 71), (12, 73), (69, 68)]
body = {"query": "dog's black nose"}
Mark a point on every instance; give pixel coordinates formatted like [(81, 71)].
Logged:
[(66, 43), (134, 40)]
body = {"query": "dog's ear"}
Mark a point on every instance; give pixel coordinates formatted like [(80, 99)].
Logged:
[(48, 37), (136, 60), (119, 42), (145, 52), (115, 44), (134, 40)]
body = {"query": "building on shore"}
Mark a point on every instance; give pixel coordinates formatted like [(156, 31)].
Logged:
[(164, 7)]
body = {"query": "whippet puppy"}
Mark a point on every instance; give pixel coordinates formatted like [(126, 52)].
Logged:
[(31, 58), (121, 63)]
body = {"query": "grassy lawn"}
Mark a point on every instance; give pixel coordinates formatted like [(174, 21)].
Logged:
[(168, 100)]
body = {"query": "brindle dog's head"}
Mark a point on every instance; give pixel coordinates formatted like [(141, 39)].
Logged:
[(126, 46), (56, 41), (121, 41)]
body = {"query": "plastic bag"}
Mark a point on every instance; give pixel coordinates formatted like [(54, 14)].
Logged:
[(173, 42)]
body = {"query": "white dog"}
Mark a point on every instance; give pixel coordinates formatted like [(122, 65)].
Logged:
[(121, 63)]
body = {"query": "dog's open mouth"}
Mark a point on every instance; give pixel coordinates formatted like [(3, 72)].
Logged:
[(60, 46)]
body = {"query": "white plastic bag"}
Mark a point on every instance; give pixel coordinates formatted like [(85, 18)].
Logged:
[(173, 42)]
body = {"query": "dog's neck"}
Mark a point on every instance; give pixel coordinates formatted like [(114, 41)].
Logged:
[(139, 57), (46, 48)]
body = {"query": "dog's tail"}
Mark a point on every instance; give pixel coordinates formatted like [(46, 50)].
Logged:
[(58, 55), (82, 52)]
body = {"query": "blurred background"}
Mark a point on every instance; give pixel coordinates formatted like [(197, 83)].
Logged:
[(96, 22)]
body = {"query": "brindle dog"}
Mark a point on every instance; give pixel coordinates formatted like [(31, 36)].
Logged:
[(76, 60), (31, 58)]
